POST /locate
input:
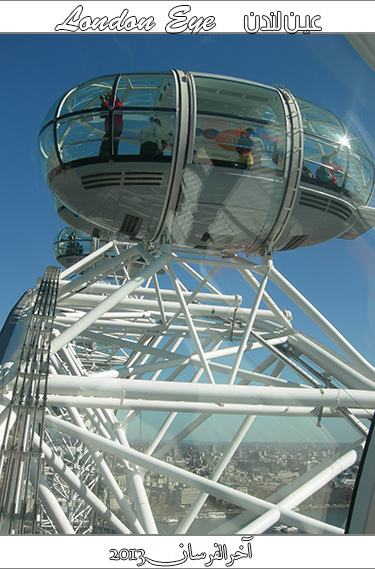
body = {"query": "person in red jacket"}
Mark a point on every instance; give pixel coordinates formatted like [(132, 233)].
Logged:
[(327, 172), (107, 105)]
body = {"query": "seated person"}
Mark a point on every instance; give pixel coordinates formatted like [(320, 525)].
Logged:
[(306, 173), (245, 159), (326, 173), (244, 149), (257, 146)]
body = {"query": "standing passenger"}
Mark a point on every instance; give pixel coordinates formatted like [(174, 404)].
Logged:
[(107, 104), (257, 146)]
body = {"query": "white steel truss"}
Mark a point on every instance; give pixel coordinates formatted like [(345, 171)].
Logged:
[(144, 339)]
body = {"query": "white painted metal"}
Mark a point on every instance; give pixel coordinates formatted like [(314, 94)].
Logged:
[(186, 477), (167, 350)]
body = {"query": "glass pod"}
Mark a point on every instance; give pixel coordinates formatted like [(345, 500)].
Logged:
[(206, 161)]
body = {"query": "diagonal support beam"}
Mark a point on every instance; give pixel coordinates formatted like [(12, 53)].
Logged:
[(83, 323), (190, 324), (249, 325), (211, 487)]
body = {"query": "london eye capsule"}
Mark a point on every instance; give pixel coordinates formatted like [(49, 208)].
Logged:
[(71, 245), (206, 161)]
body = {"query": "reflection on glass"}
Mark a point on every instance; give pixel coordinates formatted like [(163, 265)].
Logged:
[(87, 95), (110, 128), (337, 159), (147, 90), (237, 123), (234, 118)]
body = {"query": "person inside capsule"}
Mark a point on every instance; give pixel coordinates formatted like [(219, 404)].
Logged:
[(150, 140), (107, 104), (326, 174)]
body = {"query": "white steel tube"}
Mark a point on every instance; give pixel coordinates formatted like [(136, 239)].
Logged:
[(141, 326), (262, 523), (329, 361), (248, 328), (159, 298), (196, 407), (109, 478), (322, 322), (85, 493), (284, 318), (136, 483), (87, 261), (210, 311), (215, 393), (50, 502), (105, 267), (6, 425), (169, 470), (70, 333), (75, 366), (139, 370), (216, 473), (168, 295), (298, 495)]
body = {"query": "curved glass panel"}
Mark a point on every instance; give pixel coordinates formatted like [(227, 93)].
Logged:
[(111, 128), (147, 90), (360, 177), (325, 162), (86, 135), (357, 144), (335, 158), (47, 155), (87, 95), (320, 121), (235, 119), (51, 113), (80, 136)]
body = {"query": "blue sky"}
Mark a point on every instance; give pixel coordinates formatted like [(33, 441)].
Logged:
[(338, 277)]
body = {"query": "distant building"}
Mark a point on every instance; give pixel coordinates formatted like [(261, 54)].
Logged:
[(188, 496)]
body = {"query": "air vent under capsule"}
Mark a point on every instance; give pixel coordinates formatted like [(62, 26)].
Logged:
[(101, 179), (339, 209), (326, 203), (131, 225), (317, 201), (129, 178), (140, 177)]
